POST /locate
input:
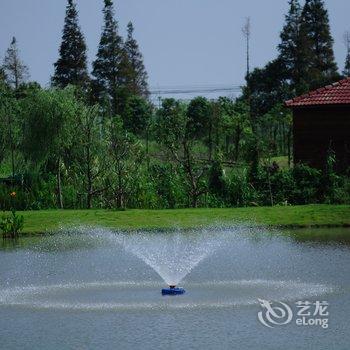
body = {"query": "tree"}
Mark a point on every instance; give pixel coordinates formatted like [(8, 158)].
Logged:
[(198, 114), (89, 163), (126, 156), (293, 50), (322, 68), (7, 123), (277, 126), (14, 69), (267, 87), (346, 71), (2, 76), (202, 116), (47, 130), (71, 67), (236, 123), (216, 179), (172, 131), (137, 115), (137, 77), (107, 66)]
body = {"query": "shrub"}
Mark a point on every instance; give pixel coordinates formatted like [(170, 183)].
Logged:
[(11, 225), (239, 191), (307, 185)]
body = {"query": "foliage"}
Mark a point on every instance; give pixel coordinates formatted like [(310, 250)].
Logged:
[(168, 186), (88, 153), (104, 145), (15, 71), (107, 66), (293, 50), (48, 130), (125, 156), (199, 117), (71, 67), (136, 76), (137, 115), (173, 130), (307, 184), (216, 179), (11, 225), (346, 71), (267, 87), (322, 68), (236, 126)]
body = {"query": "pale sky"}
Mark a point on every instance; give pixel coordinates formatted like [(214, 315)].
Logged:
[(185, 42)]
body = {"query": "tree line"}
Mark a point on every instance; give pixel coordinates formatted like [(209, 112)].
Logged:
[(95, 140)]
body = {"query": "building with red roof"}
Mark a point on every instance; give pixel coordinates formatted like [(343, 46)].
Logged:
[(321, 122)]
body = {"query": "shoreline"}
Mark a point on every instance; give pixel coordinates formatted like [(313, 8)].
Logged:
[(279, 217)]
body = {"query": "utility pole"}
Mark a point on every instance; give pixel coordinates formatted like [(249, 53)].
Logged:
[(246, 30)]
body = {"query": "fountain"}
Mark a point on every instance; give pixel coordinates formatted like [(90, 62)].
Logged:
[(173, 290), (173, 255), (93, 269)]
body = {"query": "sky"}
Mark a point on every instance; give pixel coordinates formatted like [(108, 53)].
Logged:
[(186, 43)]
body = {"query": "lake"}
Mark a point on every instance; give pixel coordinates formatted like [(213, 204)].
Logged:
[(94, 289)]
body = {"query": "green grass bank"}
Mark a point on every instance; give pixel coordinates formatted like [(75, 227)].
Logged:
[(37, 222)]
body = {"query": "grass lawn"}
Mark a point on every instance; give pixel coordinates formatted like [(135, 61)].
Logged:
[(290, 216)]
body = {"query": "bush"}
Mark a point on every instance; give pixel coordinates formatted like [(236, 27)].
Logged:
[(240, 192), (169, 186), (307, 185), (11, 225), (33, 192)]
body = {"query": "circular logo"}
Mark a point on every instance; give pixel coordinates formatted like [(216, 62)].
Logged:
[(274, 315)]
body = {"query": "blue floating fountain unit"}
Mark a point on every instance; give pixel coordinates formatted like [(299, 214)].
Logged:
[(173, 290)]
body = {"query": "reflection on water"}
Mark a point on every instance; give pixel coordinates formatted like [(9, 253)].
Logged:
[(66, 240), (340, 235)]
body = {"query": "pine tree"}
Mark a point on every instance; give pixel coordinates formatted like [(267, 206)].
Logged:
[(2, 75), (315, 26), (137, 75), (15, 71), (107, 66), (293, 49), (346, 71), (71, 67)]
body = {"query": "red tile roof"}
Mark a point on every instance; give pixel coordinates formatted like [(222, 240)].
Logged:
[(335, 94)]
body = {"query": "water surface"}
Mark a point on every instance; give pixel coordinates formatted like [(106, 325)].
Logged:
[(92, 289)]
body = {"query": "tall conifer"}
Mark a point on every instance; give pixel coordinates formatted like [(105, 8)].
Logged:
[(107, 66), (14, 70), (71, 67), (138, 76), (322, 68), (346, 71), (293, 49)]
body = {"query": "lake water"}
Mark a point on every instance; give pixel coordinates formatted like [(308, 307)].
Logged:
[(84, 291)]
